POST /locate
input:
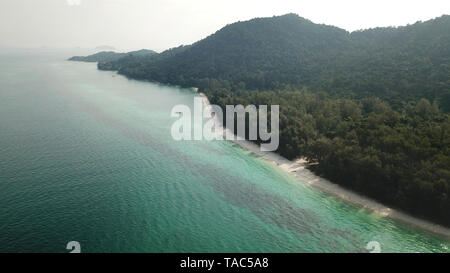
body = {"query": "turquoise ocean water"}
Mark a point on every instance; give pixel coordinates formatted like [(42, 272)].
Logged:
[(87, 156)]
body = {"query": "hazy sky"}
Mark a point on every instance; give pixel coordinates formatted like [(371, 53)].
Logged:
[(161, 24)]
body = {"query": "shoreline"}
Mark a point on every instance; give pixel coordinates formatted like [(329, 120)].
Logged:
[(297, 169)]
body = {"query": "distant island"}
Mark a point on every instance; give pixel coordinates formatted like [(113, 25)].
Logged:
[(105, 48), (110, 56), (370, 108)]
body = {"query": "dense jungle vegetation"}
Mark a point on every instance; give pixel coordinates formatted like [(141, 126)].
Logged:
[(370, 107)]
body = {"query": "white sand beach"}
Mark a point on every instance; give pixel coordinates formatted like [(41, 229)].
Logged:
[(297, 168)]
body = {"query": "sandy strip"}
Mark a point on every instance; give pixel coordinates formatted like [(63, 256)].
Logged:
[(298, 169)]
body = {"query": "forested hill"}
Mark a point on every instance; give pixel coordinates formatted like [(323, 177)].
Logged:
[(370, 107), (288, 51), (258, 54)]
